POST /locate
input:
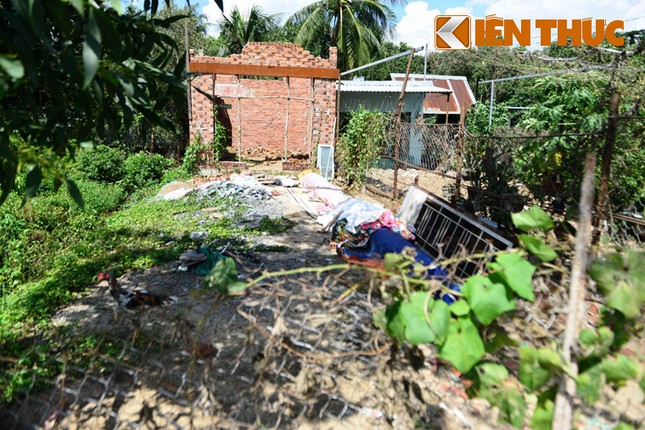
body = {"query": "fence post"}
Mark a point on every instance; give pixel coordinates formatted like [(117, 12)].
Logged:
[(397, 128), (286, 122), (563, 408), (460, 154), (607, 155)]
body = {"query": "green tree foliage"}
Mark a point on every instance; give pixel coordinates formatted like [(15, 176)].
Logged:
[(239, 29), (357, 28), (75, 71)]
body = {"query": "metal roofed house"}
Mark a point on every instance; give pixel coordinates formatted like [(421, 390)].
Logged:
[(383, 95), (436, 104)]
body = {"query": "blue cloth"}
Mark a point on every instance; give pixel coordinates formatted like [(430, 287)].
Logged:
[(385, 241)]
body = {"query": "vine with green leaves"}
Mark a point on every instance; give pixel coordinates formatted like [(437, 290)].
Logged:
[(468, 331), (360, 144), (199, 152)]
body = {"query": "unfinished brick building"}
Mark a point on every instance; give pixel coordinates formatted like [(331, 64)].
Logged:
[(276, 100)]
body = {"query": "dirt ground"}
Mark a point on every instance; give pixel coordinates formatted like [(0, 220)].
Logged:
[(295, 352), (436, 183)]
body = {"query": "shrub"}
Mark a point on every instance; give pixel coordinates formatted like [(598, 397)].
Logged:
[(360, 145), (192, 155), (175, 174), (103, 164), (99, 198), (143, 169), (201, 153)]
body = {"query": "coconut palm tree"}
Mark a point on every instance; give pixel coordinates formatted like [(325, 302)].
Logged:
[(356, 27), (238, 29)]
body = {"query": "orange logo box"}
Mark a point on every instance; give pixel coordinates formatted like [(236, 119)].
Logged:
[(452, 32)]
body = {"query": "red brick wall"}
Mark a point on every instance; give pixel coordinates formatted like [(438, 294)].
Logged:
[(257, 118)]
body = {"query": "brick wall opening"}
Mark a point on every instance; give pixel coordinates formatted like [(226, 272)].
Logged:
[(276, 100)]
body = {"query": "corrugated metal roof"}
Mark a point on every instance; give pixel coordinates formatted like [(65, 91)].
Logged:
[(436, 104), (390, 86)]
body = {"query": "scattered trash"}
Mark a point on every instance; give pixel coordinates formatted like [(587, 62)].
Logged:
[(198, 236), (286, 181), (314, 181), (177, 194), (174, 190), (245, 190)]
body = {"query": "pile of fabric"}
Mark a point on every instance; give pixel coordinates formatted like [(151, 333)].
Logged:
[(365, 232)]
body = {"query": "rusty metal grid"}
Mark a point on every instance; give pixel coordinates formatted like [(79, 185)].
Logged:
[(275, 357)]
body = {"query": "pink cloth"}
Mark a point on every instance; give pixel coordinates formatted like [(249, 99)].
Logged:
[(388, 220), (331, 198)]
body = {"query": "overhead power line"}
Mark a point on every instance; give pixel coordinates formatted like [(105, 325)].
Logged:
[(384, 60)]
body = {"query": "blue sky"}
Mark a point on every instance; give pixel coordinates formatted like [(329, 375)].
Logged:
[(415, 21)]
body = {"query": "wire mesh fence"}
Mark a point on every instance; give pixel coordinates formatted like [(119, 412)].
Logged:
[(418, 153), (285, 354), (491, 177)]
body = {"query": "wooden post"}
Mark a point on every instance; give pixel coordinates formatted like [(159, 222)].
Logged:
[(311, 120), (286, 122), (563, 411), (336, 130), (397, 128), (239, 125), (607, 155), (460, 154)]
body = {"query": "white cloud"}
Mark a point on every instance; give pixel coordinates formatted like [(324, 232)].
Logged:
[(416, 27), (283, 8)]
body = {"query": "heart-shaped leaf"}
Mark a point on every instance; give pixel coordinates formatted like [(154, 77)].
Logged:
[(537, 366), (516, 273), (620, 369), (621, 278), (538, 248), (491, 374), (460, 308), (223, 278), (589, 384), (596, 343), (12, 67), (421, 319), (532, 219), (463, 347), (487, 299)]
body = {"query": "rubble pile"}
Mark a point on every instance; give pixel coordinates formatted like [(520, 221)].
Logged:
[(246, 190)]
